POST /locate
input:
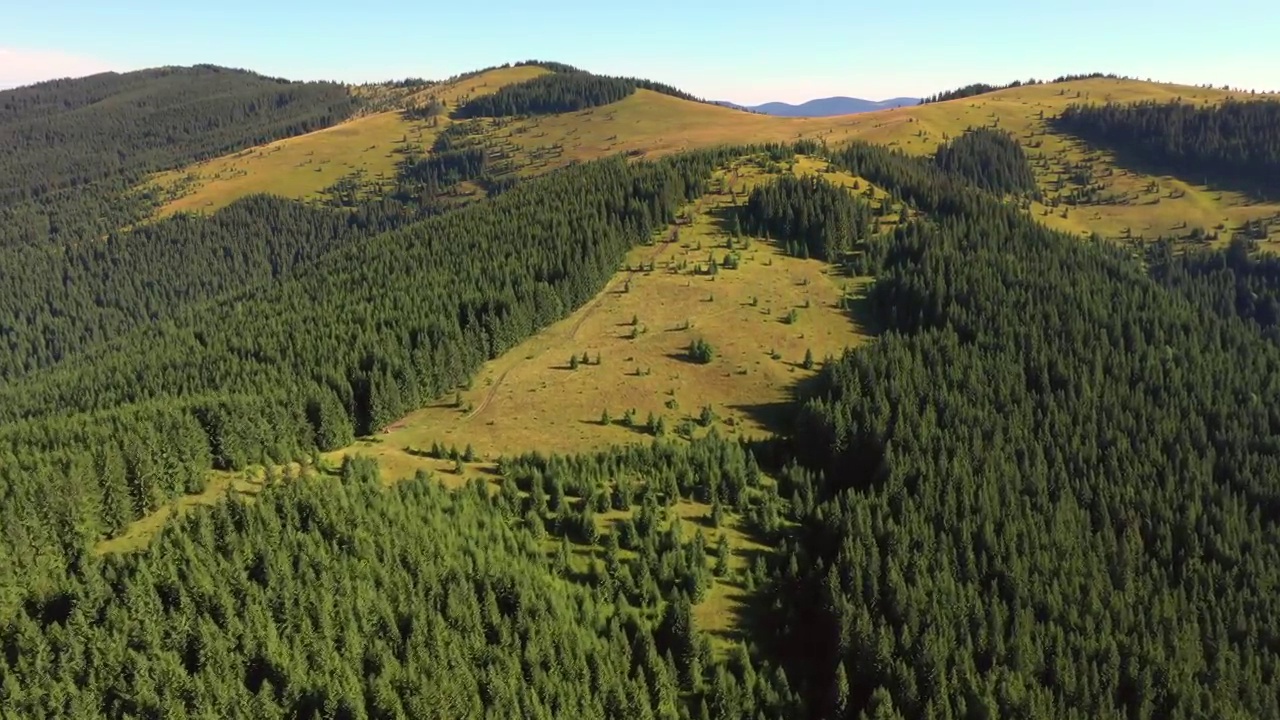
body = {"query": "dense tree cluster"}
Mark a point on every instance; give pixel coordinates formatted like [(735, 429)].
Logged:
[(643, 83), (1048, 491), (441, 170), (566, 89), (548, 95), (435, 605), (815, 217), (989, 158), (984, 88), (72, 146), (1235, 144)]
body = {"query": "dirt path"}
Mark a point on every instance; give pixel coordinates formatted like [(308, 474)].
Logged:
[(488, 397)]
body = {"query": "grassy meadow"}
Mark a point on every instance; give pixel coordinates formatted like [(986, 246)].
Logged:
[(531, 398)]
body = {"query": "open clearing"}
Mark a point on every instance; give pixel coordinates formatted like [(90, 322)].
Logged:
[(302, 167), (530, 398)]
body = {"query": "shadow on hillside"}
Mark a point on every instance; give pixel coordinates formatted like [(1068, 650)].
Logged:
[(779, 417), (1254, 189), (750, 611), (859, 309), (722, 218)]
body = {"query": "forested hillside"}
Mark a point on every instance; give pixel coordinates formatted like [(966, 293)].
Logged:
[(72, 147), (1050, 491), (345, 344), (56, 301), (1235, 144), (437, 604), (1232, 282)]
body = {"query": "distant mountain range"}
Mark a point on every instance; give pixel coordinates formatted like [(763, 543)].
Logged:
[(825, 107)]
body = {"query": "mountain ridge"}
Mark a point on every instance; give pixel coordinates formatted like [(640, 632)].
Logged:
[(824, 107)]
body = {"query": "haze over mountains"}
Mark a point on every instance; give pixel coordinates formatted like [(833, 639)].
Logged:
[(825, 107)]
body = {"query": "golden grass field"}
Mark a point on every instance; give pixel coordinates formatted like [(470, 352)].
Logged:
[(301, 167), (529, 398)]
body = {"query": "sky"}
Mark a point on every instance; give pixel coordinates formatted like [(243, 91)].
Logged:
[(746, 51)]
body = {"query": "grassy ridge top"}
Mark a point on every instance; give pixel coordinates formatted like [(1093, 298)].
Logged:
[(301, 167)]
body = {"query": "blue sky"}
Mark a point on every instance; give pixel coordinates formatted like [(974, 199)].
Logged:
[(747, 51)]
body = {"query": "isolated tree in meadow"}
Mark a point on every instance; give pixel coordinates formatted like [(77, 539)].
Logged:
[(604, 417), (808, 360), (700, 351), (573, 362)]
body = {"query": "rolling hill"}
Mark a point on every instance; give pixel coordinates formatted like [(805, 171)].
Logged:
[(533, 392)]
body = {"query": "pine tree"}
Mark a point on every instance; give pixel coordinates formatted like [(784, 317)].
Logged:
[(722, 557)]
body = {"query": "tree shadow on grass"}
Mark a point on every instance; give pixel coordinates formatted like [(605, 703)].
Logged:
[(859, 309), (779, 418), (684, 357), (638, 428)]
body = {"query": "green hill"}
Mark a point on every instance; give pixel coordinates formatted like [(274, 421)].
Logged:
[(1046, 488), (72, 146)]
